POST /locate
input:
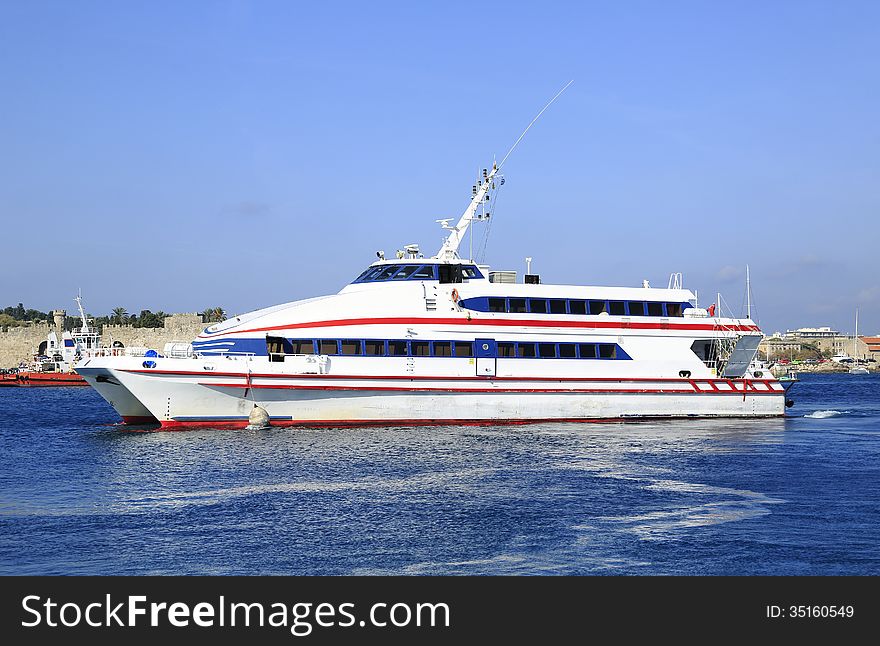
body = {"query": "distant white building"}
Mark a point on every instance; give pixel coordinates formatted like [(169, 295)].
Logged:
[(813, 332)]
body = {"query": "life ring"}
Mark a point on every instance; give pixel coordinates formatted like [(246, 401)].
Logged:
[(454, 295)]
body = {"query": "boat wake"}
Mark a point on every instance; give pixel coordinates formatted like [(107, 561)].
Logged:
[(822, 414)]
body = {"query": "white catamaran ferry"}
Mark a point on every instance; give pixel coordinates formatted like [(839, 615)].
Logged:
[(416, 340)]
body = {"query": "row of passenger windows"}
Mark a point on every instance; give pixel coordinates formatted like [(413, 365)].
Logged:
[(443, 273), (573, 306), (404, 348)]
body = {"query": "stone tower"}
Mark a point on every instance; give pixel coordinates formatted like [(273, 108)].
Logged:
[(58, 316)]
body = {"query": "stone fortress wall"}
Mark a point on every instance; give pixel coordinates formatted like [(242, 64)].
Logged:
[(21, 343)]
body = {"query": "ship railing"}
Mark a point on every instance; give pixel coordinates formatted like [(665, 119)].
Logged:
[(223, 353), (113, 352)]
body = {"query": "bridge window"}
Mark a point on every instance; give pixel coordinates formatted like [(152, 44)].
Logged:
[(371, 274), (406, 272), (567, 351), (450, 273), (497, 305), (397, 349), (655, 309), (388, 272), (420, 348), (351, 347), (506, 349), (557, 306), (363, 274), (607, 351), (425, 272), (329, 346), (636, 308), (587, 350), (517, 305), (525, 350), (598, 307), (464, 349), (547, 350), (374, 348), (537, 306), (616, 308), (442, 348), (577, 307), (673, 309), (470, 272)]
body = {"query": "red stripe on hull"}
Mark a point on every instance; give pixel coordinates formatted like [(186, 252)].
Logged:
[(596, 325), (172, 425), (256, 375), (657, 391)]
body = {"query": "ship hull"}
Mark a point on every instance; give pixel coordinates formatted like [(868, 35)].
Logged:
[(179, 396)]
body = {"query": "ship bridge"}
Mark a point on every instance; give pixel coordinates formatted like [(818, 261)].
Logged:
[(425, 270)]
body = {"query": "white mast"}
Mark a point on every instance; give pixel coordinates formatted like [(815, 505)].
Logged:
[(748, 295), (449, 250), (856, 336), (82, 314)]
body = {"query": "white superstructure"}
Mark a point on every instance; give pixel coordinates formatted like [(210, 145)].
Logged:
[(433, 340)]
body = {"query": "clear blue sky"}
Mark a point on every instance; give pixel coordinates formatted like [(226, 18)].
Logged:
[(182, 155)]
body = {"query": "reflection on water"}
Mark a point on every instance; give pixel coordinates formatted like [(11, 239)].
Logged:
[(695, 496)]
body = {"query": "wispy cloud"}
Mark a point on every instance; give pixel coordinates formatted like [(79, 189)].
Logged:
[(804, 264), (730, 273)]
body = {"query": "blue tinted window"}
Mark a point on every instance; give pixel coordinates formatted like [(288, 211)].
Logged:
[(406, 272), (636, 308), (537, 306), (587, 350), (469, 271), (397, 348), (425, 272), (517, 305), (607, 351), (547, 350)]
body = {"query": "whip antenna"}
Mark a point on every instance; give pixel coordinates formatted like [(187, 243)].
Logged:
[(480, 195), (549, 103)]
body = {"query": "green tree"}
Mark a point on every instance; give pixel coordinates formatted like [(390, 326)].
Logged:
[(214, 315), (119, 315), (7, 321)]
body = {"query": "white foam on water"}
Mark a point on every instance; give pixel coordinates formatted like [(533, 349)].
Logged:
[(822, 414)]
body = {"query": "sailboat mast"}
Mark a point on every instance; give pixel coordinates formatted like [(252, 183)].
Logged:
[(748, 295), (856, 335)]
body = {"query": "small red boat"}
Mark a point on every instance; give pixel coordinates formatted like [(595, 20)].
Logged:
[(31, 378)]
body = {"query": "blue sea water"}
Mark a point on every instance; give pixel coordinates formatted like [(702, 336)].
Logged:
[(796, 496)]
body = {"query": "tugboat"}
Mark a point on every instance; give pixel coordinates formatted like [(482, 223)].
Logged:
[(55, 366)]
